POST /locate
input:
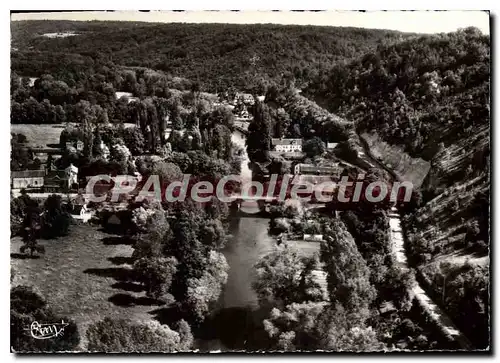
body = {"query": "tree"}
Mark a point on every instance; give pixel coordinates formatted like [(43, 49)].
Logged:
[(346, 332), (284, 277), (212, 233), (259, 133), (187, 248), (20, 156), (125, 336), (56, 219), (31, 227), (22, 209), (318, 326), (204, 291), (348, 274), (134, 140), (397, 287), (156, 273), (121, 155), (278, 226), (30, 241), (167, 171), (154, 231)]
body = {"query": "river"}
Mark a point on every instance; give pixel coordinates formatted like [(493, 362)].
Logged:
[(237, 323), (249, 242)]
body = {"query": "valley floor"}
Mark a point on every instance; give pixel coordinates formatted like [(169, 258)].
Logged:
[(84, 277)]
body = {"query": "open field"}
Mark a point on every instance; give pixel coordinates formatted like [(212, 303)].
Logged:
[(84, 276)]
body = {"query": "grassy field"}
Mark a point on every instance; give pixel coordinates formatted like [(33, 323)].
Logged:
[(39, 135), (84, 276)]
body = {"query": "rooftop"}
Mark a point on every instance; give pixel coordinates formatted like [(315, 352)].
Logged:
[(331, 145), (316, 169), (28, 174)]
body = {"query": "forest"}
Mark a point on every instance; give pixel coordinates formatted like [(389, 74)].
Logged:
[(431, 96), (218, 56)]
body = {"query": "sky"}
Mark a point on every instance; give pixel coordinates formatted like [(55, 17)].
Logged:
[(406, 21)]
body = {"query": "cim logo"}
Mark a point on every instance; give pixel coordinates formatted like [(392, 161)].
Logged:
[(47, 331)]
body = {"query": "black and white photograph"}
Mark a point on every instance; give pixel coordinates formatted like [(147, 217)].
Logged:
[(250, 181)]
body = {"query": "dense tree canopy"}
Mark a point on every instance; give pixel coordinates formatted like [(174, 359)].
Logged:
[(216, 55)]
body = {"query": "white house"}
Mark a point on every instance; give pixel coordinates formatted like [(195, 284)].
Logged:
[(331, 145), (80, 145), (287, 145), (81, 212)]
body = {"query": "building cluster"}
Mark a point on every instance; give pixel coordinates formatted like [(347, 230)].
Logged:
[(46, 179)]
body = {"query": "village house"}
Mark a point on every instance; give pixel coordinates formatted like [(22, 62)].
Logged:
[(54, 180), (244, 115), (287, 145), (309, 169), (128, 96), (27, 179), (245, 98), (80, 145), (42, 153)]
